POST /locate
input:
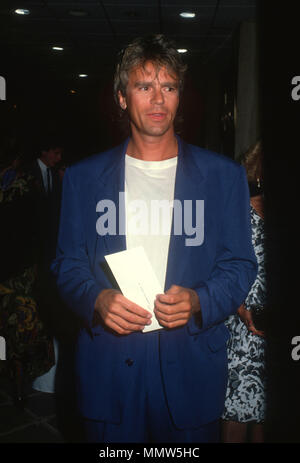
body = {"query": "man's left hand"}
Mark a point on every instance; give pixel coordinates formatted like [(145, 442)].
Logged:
[(175, 307)]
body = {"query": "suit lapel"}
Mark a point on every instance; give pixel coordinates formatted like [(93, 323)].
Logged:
[(189, 186), (110, 186)]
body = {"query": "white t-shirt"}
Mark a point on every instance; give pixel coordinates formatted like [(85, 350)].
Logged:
[(149, 195)]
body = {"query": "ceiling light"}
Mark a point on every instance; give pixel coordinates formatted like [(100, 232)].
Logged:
[(187, 14), (22, 11), (181, 50), (57, 48), (82, 75)]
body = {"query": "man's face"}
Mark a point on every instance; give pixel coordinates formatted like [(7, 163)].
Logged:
[(51, 157), (152, 98)]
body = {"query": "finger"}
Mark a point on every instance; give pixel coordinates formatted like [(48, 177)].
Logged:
[(171, 318), (259, 333), (134, 308), (170, 298), (174, 324), (124, 307), (128, 317), (251, 327), (118, 329), (174, 289), (255, 331), (110, 323), (122, 326), (170, 309)]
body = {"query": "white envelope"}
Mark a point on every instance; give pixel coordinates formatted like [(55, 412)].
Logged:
[(136, 279)]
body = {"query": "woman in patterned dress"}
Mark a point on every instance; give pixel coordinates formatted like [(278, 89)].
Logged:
[(245, 402)]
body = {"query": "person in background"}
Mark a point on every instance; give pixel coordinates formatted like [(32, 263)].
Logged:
[(45, 170), (29, 348), (245, 404)]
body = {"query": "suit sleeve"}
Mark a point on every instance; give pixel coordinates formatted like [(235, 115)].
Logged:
[(71, 268), (235, 267)]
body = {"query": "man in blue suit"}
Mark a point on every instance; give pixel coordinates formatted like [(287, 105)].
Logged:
[(166, 385)]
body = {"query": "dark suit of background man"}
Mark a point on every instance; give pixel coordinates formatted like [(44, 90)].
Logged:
[(49, 188), (167, 385), (47, 210)]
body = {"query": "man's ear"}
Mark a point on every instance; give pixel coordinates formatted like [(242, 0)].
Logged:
[(122, 100)]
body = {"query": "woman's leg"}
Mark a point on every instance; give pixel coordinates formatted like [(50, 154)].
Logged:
[(257, 433), (233, 431)]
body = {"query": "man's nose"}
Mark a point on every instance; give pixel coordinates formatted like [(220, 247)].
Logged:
[(158, 97)]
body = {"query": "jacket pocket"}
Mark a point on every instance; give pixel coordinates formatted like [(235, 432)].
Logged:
[(218, 338)]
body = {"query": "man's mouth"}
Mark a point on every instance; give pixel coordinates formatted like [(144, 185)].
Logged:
[(157, 116)]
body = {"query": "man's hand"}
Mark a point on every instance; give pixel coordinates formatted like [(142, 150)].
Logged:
[(176, 306), (119, 313), (246, 317)]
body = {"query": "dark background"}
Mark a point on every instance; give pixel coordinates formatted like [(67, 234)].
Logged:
[(39, 101), (280, 124), (92, 32)]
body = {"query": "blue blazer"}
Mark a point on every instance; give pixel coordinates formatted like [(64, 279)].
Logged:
[(221, 270)]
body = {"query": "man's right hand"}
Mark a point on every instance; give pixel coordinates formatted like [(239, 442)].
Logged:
[(119, 313)]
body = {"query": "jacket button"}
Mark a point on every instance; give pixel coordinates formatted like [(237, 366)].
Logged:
[(129, 362)]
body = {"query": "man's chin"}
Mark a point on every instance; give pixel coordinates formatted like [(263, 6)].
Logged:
[(157, 131)]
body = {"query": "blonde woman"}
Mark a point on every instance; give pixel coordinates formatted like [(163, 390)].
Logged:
[(245, 403)]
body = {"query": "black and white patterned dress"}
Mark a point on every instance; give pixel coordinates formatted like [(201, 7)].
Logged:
[(245, 396)]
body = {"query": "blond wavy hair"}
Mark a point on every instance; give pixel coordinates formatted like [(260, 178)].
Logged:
[(252, 162)]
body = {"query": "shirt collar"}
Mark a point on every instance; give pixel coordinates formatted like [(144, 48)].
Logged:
[(42, 165)]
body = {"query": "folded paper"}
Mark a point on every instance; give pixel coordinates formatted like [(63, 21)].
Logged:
[(136, 279)]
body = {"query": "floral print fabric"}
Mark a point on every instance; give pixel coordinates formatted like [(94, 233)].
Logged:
[(26, 339), (245, 397)]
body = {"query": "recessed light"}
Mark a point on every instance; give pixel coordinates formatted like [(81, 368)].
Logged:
[(181, 50), (82, 75), (57, 48), (72, 92), (22, 11), (187, 14)]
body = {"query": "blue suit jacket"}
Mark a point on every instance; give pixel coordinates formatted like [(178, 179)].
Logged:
[(221, 270)]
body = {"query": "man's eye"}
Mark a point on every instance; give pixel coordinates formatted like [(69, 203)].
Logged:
[(144, 88), (170, 89)]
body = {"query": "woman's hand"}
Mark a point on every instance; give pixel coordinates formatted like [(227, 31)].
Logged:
[(246, 317)]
